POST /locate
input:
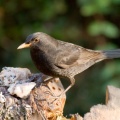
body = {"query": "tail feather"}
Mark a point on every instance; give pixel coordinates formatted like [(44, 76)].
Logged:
[(109, 54)]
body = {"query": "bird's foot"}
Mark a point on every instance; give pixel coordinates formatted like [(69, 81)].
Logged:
[(62, 94), (56, 98)]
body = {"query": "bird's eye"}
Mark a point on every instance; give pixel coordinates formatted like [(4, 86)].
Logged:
[(36, 40)]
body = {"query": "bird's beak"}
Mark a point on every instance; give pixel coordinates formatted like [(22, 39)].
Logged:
[(24, 45)]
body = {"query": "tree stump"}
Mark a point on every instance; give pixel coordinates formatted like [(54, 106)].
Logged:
[(27, 96)]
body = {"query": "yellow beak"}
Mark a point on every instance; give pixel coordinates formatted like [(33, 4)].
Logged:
[(24, 45)]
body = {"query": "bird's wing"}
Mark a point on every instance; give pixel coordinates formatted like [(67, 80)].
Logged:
[(69, 55)]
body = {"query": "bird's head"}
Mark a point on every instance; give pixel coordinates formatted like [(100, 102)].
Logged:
[(33, 40)]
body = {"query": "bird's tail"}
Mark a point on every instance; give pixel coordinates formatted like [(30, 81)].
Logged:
[(109, 54)]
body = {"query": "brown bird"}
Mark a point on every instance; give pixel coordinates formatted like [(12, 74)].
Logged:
[(62, 59)]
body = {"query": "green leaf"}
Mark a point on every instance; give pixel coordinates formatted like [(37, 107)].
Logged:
[(103, 28), (95, 28), (88, 10), (110, 30)]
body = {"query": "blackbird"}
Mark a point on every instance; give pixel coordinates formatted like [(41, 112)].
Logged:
[(62, 59)]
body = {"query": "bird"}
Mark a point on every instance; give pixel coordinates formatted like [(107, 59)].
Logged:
[(57, 58)]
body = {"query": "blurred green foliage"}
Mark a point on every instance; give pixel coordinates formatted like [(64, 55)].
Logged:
[(104, 28), (94, 24)]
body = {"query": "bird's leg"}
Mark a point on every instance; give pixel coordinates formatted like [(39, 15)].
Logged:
[(46, 80), (72, 80), (49, 78)]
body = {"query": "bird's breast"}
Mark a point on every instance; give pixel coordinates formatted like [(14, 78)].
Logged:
[(43, 61)]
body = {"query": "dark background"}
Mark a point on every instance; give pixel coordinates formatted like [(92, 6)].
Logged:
[(94, 24)]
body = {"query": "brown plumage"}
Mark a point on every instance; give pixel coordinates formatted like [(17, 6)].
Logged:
[(62, 59)]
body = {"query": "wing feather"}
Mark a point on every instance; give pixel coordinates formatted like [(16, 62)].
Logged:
[(67, 55), (72, 55)]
